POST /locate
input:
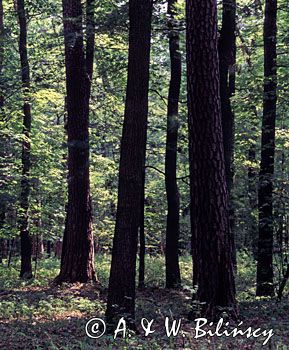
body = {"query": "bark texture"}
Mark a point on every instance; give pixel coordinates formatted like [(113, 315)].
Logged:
[(212, 256), (26, 245), (173, 276), (227, 56), (265, 192), (77, 260), (2, 142), (121, 292)]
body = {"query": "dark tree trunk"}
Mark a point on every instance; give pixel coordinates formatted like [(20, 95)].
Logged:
[(121, 292), (227, 56), (3, 249), (48, 249), (142, 242), (77, 259), (2, 144), (90, 44), (26, 246), (253, 199), (37, 246), (265, 193), (173, 276), (11, 250), (3, 254), (283, 283), (58, 248), (1, 57), (212, 254)]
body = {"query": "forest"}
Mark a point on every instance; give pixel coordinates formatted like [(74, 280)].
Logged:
[(144, 174)]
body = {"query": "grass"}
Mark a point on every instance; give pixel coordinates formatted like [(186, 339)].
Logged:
[(38, 315)]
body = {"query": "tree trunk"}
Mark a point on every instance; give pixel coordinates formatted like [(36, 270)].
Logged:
[(26, 246), (212, 254), (173, 276), (37, 247), (142, 242), (265, 193), (90, 44), (77, 259), (58, 248), (11, 250), (4, 248), (283, 283), (1, 56), (227, 56), (2, 145), (48, 249), (253, 200), (121, 292)]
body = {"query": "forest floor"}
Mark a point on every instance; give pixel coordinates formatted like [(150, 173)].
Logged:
[(38, 315)]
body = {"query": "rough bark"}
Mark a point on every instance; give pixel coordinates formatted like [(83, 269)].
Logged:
[(211, 247), (77, 259), (265, 191), (173, 276), (227, 57), (121, 292), (2, 151), (26, 246)]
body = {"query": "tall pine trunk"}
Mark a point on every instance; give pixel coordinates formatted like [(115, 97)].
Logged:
[(121, 292), (227, 56), (173, 276), (2, 142), (212, 258), (265, 193), (77, 260), (26, 245)]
